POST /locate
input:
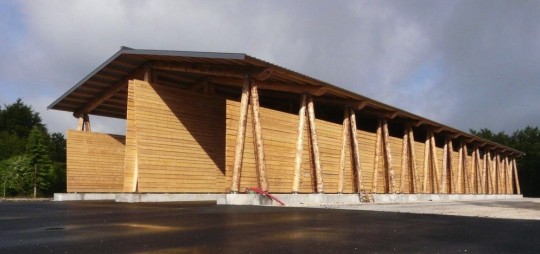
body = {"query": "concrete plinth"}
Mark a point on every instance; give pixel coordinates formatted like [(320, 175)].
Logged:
[(288, 199), (168, 197), (84, 196)]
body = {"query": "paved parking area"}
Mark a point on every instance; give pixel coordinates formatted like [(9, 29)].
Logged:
[(107, 227)]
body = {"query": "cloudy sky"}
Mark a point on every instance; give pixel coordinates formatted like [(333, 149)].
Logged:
[(467, 64)]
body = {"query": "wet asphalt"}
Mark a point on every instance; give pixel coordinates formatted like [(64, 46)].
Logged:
[(108, 227)]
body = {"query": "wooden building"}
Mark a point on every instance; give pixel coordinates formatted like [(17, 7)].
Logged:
[(218, 123)]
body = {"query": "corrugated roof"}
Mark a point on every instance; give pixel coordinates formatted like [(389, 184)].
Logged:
[(127, 60)]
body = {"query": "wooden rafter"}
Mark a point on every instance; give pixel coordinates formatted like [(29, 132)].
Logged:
[(105, 95), (274, 86)]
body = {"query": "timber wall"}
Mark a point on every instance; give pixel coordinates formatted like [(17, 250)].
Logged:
[(181, 141), (280, 134), (95, 162), (176, 140)]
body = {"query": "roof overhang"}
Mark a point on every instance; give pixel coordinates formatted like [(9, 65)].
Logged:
[(103, 92)]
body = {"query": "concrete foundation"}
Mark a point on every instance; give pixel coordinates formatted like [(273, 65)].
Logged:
[(288, 199), (84, 196)]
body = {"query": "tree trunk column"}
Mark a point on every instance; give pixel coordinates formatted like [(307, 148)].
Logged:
[(240, 136), (259, 146), (299, 144), (315, 145)]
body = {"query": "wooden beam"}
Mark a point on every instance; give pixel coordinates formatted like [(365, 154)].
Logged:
[(480, 168), (299, 144), (412, 149), (497, 174), (315, 145), (261, 161), (264, 74), (360, 105), (356, 151), (274, 86), (240, 136), (465, 169), (444, 167), (345, 141), (516, 176), (86, 123), (388, 158), (472, 172), (404, 159), (376, 157), (80, 123), (434, 162), (426, 169), (210, 69), (452, 183), (460, 187), (108, 93)]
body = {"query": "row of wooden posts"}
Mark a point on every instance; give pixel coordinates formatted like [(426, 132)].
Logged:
[(496, 175)]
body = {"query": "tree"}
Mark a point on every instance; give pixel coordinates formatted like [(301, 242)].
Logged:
[(15, 174), (36, 149), (19, 119)]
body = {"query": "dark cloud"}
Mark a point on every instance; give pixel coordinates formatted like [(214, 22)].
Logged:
[(468, 64)]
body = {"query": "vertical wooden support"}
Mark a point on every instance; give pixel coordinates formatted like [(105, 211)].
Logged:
[(466, 174), (460, 184), (444, 167), (83, 123), (356, 151), (261, 161), (404, 159), (315, 144), (344, 143), (240, 136), (516, 176), (507, 175), (299, 144), (426, 164), (480, 168), (434, 162), (486, 172), (450, 165), (496, 171), (376, 158), (474, 170), (388, 158), (80, 123), (412, 149)]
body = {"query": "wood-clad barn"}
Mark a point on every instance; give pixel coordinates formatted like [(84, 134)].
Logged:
[(201, 122)]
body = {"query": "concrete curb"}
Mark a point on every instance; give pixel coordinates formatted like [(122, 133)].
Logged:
[(288, 199)]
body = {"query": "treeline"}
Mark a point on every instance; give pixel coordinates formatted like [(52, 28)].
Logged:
[(528, 141), (32, 160)]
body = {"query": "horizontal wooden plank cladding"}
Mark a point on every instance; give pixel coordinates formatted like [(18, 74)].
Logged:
[(95, 162), (179, 139)]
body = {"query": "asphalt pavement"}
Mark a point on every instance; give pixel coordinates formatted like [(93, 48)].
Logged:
[(108, 227)]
